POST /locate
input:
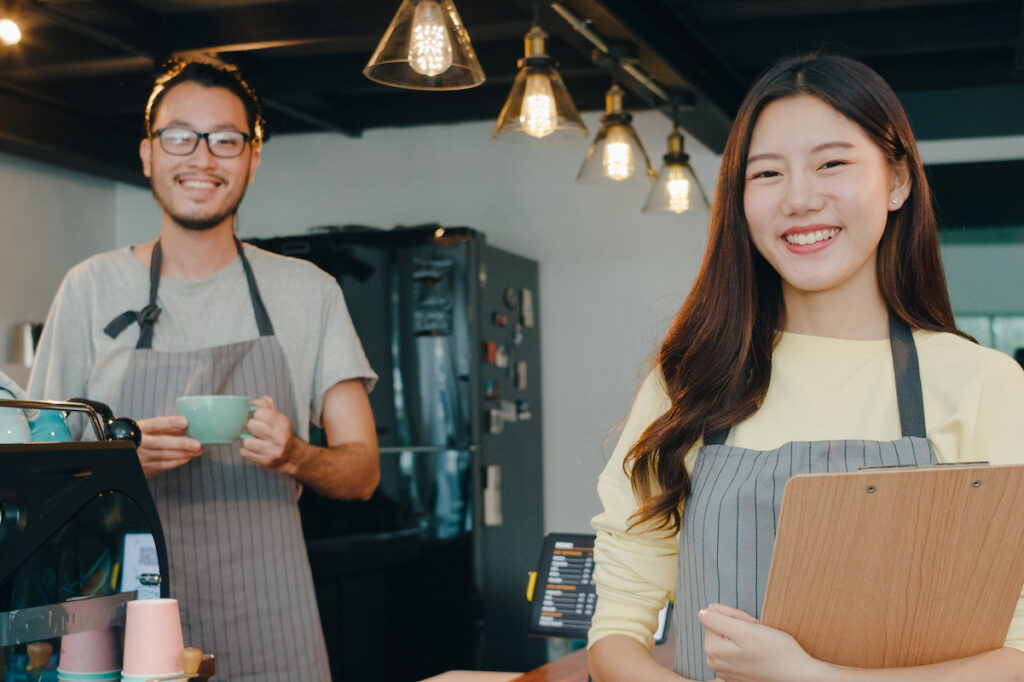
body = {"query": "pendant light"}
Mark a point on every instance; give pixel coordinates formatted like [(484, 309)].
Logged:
[(616, 154), (677, 189), (539, 109), (10, 32), (426, 47)]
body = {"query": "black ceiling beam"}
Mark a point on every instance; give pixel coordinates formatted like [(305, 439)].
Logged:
[(130, 11), (50, 44), (683, 48), (669, 52), (947, 29), (940, 71), (55, 135), (81, 67), (948, 71), (141, 35), (105, 96), (730, 11), (359, 27), (972, 112)]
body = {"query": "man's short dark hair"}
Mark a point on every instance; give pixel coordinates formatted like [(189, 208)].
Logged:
[(209, 74)]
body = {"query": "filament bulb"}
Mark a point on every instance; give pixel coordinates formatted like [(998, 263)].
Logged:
[(538, 115), (678, 189), (618, 154), (430, 48), (10, 34)]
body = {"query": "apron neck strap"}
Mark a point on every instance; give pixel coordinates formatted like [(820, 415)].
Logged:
[(263, 322), (909, 398), (147, 317)]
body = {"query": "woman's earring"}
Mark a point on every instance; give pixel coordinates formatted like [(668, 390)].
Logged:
[(895, 201)]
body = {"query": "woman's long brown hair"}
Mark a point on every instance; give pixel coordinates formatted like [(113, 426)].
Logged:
[(716, 358)]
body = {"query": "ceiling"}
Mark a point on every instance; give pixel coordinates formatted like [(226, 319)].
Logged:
[(73, 91)]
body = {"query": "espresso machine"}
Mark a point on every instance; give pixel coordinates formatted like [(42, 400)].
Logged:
[(79, 539)]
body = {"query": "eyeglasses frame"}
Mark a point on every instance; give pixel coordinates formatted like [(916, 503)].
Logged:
[(246, 138)]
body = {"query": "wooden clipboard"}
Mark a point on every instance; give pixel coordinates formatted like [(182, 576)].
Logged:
[(898, 567)]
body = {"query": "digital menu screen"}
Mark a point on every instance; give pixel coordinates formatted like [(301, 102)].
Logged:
[(564, 597)]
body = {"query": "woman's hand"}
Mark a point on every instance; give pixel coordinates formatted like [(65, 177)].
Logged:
[(739, 649)]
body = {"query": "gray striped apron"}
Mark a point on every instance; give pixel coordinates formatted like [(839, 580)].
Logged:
[(238, 563), (730, 518)]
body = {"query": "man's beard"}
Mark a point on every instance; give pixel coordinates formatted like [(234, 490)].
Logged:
[(201, 223), (196, 223)]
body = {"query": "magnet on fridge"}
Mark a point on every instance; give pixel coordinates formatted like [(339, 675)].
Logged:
[(508, 411), (511, 298), (500, 319), (521, 375), (517, 337), (528, 308), (490, 390), (523, 411), (492, 496), (490, 352), (495, 422), (501, 358)]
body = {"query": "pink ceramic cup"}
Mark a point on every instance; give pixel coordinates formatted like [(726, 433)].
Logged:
[(95, 651), (152, 638)]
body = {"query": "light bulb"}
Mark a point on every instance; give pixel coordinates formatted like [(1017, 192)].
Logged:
[(9, 32), (618, 154), (678, 189), (430, 48), (538, 115)]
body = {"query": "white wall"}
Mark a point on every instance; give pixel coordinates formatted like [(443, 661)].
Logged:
[(985, 278), (50, 219), (611, 278)]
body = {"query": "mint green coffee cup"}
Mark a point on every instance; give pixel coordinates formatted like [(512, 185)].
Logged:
[(215, 419)]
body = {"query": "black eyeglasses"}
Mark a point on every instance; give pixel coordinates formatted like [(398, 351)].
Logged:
[(182, 141)]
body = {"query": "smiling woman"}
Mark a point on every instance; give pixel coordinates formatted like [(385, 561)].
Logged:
[(816, 197), (818, 337)]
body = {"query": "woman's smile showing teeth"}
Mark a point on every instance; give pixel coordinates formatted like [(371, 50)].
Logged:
[(809, 238)]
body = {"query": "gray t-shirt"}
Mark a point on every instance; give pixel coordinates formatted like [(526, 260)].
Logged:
[(77, 359)]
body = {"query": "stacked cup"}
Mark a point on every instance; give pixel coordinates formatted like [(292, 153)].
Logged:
[(152, 640), (93, 656)]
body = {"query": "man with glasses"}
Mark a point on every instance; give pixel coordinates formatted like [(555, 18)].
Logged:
[(195, 312)]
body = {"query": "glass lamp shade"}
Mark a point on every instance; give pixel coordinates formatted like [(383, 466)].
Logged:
[(539, 110), (676, 191), (10, 33), (426, 47), (616, 156)]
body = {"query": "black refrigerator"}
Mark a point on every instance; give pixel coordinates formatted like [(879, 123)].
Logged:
[(430, 574)]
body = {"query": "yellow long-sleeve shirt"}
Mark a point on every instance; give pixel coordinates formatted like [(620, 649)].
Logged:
[(821, 389)]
